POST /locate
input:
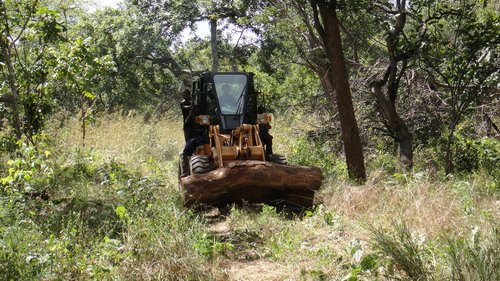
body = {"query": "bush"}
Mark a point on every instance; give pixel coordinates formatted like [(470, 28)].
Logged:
[(472, 155), (97, 219), (29, 173), (310, 153), (7, 143)]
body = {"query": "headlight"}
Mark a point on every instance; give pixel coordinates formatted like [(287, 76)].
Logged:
[(203, 120), (262, 119)]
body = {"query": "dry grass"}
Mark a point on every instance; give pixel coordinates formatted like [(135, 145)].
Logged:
[(432, 207), (124, 138), (265, 245)]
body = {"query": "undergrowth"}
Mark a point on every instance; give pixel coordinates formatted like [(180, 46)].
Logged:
[(111, 210), (78, 213)]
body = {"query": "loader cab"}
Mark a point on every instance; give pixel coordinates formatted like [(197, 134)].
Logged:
[(227, 97)]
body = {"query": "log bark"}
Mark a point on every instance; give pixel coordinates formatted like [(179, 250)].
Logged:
[(253, 182)]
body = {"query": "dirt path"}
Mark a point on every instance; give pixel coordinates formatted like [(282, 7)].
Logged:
[(245, 264)]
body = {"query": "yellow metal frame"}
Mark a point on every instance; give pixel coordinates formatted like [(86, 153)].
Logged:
[(242, 144)]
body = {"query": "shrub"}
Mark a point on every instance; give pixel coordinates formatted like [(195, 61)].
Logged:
[(310, 153), (472, 155)]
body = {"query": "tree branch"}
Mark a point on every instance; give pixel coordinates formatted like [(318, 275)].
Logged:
[(317, 23), (434, 84), (354, 41), (166, 62), (401, 21), (28, 18)]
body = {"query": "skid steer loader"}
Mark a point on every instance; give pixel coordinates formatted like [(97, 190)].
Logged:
[(229, 163)]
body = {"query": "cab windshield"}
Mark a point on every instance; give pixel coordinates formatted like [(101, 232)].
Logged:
[(230, 89)]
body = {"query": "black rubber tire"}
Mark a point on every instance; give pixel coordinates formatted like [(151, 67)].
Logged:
[(277, 158), (183, 171), (199, 164)]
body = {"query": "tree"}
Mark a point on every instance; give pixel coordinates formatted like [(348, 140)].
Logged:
[(214, 11), (80, 69), (27, 30), (391, 78), (460, 56), (329, 31), (295, 27), (158, 25), (144, 70)]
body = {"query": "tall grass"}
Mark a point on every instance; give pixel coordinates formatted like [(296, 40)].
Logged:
[(404, 249), (475, 257), (111, 210)]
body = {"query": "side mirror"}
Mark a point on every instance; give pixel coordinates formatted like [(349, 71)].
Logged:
[(209, 90)]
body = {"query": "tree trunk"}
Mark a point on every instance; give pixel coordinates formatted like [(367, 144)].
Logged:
[(392, 78), (405, 139), (449, 166), (403, 134), (14, 91), (350, 133), (83, 121), (253, 182), (213, 44)]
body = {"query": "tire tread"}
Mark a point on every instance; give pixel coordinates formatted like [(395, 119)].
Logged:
[(199, 164), (277, 158)]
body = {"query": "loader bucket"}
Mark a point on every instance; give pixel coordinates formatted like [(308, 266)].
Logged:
[(253, 182)]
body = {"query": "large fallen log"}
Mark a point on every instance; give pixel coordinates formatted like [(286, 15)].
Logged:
[(253, 182)]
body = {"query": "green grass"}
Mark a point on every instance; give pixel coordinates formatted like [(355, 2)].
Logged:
[(111, 211)]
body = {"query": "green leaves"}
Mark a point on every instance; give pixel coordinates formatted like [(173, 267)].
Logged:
[(26, 172), (209, 245), (122, 212), (81, 67), (28, 30), (49, 24)]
